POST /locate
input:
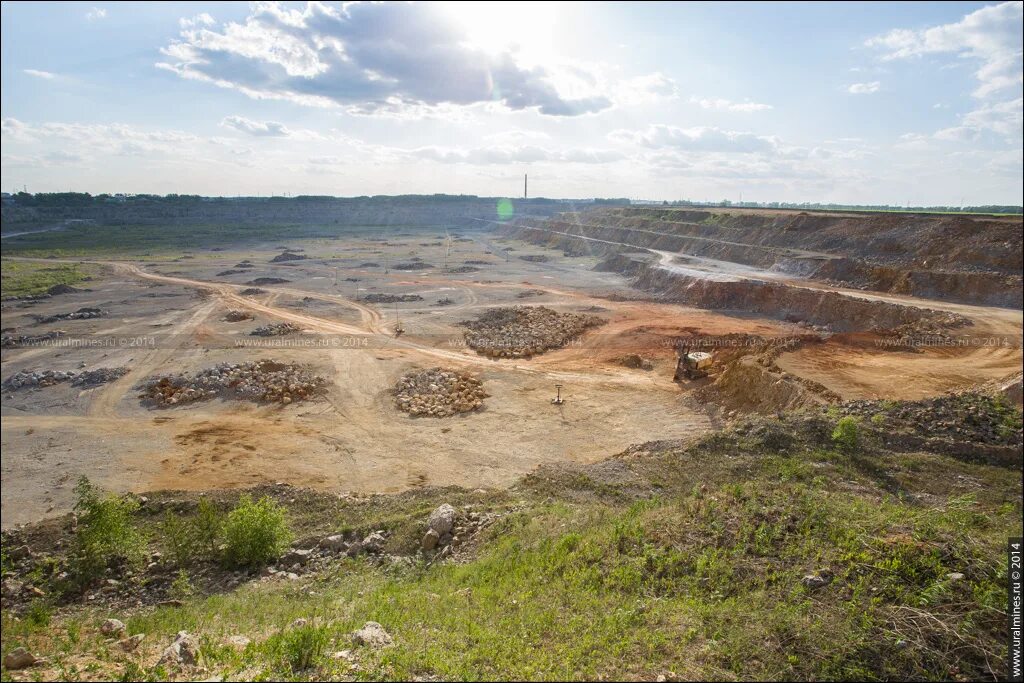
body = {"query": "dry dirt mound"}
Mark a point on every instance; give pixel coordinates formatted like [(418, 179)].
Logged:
[(438, 393), (521, 331), (259, 381)]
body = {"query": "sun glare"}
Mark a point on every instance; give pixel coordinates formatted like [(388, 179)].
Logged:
[(495, 27)]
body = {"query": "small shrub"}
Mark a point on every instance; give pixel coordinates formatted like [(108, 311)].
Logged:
[(846, 435), (208, 524), (255, 532), (303, 646), (105, 534), (178, 539), (181, 587)]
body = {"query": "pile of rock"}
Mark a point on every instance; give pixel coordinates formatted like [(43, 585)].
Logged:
[(15, 340), (390, 298), (288, 256), (261, 381), (267, 281), (94, 378), (448, 528), (31, 378), (275, 329), (230, 271), (535, 258), (47, 378), (235, 316), (523, 331), (419, 265), (527, 293), (463, 269), (244, 264), (80, 314), (252, 291), (445, 301), (438, 393)]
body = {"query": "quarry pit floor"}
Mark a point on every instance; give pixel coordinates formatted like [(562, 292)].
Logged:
[(164, 314)]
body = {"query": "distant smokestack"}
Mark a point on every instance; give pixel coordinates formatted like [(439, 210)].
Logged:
[(525, 186)]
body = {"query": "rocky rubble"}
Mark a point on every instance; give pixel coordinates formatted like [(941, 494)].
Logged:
[(80, 314), (636, 362), (15, 340), (438, 393), (47, 378), (970, 417), (260, 381), (390, 298), (418, 265), (235, 316), (267, 281), (288, 256), (523, 331), (275, 330), (252, 291)]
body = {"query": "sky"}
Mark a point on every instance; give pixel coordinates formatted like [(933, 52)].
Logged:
[(872, 103)]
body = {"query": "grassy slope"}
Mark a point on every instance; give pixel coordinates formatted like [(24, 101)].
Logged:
[(664, 560), (21, 278)]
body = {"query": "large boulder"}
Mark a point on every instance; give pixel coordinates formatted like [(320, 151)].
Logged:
[(183, 651), (442, 519)]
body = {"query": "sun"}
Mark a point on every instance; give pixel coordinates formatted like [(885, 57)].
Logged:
[(496, 27)]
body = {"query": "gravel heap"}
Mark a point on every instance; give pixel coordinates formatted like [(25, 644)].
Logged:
[(235, 315), (80, 314), (525, 330), (527, 293), (47, 378), (536, 258), (390, 298), (229, 271), (275, 329), (445, 301), (252, 291), (973, 417), (463, 269), (419, 265), (438, 393), (261, 381)]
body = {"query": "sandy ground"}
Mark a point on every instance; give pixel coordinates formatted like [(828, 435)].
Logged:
[(166, 316)]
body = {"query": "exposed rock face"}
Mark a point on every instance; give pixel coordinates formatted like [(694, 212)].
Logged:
[(522, 331), (259, 381), (438, 393)]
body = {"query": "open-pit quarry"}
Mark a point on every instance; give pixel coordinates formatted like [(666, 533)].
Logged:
[(379, 359)]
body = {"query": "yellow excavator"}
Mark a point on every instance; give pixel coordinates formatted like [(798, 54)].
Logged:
[(692, 364)]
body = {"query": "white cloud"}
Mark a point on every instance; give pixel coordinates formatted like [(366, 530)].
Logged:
[(864, 88), (702, 138), (258, 128), (720, 104), (202, 19), (991, 34), (512, 154), (96, 13), (48, 75), (1005, 119), (382, 58)]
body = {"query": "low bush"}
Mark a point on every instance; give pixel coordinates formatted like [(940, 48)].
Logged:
[(255, 532)]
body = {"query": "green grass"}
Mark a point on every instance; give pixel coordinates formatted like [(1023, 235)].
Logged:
[(173, 240), (22, 278)]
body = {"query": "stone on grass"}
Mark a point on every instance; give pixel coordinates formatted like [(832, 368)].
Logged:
[(372, 634)]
